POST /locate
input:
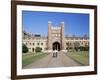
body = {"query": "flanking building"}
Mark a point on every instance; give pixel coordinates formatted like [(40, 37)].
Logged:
[(55, 40)]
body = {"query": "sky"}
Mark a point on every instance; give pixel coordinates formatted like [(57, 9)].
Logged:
[(37, 22)]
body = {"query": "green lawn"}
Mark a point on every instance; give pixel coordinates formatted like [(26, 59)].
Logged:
[(81, 57), (28, 58)]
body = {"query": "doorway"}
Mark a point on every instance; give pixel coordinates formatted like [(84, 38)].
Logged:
[(56, 46)]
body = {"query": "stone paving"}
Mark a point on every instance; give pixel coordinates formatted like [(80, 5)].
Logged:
[(61, 60)]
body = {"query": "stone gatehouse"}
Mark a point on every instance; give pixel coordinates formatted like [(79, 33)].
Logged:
[(55, 40)]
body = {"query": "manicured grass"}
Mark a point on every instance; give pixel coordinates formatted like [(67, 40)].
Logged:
[(81, 57), (29, 58)]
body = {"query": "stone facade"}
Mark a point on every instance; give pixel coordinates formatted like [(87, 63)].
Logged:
[(56, 39)]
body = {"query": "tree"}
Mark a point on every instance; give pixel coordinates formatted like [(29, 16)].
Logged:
[(69, 46), (38, 49), (84, 48), (76, 45), (81, 48), (24, 48)]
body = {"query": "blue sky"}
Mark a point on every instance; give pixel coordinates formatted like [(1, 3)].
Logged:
[(37, 22)]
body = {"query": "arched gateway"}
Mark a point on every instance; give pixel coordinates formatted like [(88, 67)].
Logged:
[(56, 46)]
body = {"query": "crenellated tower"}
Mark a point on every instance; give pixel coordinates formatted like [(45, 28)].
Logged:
[(56, 38)]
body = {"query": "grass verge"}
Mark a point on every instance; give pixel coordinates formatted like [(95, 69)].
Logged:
[(31, 57), (81, 57)]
